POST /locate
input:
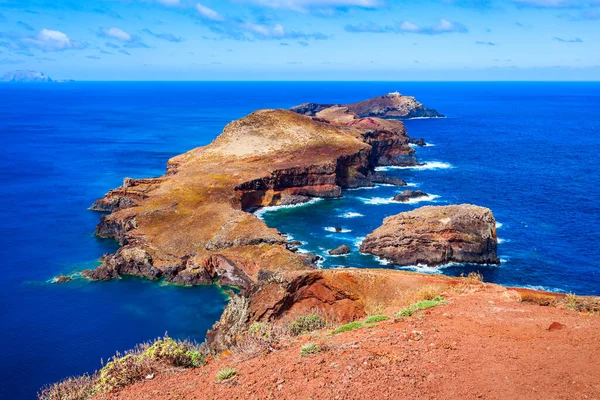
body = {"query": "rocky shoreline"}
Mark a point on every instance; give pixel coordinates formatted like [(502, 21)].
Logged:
[(193, 225)]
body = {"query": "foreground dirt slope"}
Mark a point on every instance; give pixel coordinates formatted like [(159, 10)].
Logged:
[(484, 344)]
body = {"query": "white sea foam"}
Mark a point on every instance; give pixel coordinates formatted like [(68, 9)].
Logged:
[(377, 200), (428, 198), (358, 241), (500, 240), (381, 200), (332, 229), (351, 214), (414, 146), (412, 184), (429, 165), (263, 210), (363, 188), (498, 225)]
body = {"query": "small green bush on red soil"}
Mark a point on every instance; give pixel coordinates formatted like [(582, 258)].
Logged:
[(306, 323), (225, 374)]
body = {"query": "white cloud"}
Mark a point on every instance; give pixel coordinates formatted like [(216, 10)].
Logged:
[(306, 5), (408, 26), (208, 13), (444, 26), (117, 33), (169, 3), (50, 40)]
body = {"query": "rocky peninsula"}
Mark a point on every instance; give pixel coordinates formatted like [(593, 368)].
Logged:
[(194, 224)]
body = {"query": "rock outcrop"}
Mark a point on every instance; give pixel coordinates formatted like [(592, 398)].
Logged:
[(392, 105), (340, 251), (194, 225), (436, 235), (342, 294), (408, 195)]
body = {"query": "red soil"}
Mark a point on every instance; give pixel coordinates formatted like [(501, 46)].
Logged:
[(484, 344)]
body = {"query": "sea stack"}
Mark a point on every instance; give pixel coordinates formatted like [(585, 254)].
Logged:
[(436, 235)]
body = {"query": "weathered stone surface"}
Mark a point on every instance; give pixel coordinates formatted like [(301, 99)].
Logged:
[(436, 235), (62, 279), (408, 195), (340, 251)]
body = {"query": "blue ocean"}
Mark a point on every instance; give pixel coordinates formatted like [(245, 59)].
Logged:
[(528, 151)]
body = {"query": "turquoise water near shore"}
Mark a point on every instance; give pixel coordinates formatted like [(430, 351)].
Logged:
[(529, 151)]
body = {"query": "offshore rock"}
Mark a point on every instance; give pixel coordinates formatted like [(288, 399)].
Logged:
[(340, 251), (408, 195), (436, 235)]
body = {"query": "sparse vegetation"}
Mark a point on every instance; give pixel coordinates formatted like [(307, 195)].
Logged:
[(163, 355), (376, 318), (306, 323), (421, 305), (473, 278), (309, 348), (226, 374), (407, 312), (348, 327), (429, 292), (571, 301), (259, 329)]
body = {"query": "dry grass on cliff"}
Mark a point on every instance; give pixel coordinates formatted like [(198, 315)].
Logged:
[(160, 357)]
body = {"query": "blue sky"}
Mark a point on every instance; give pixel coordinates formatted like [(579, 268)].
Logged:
[(302, 39)]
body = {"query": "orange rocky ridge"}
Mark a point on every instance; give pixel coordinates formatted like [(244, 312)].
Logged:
[(192, 225)]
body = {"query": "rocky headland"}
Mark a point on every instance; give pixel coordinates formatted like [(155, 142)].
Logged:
[(393, 106), (436, 235), (194, 225)]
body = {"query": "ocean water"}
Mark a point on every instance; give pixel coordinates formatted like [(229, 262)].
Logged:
[(528, 151)]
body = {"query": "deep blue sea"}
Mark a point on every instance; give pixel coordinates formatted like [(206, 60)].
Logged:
[(528, 151)]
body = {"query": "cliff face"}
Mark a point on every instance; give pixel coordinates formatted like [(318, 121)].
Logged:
[(436, 235), (191, 226), (392, 105), (343, 295)]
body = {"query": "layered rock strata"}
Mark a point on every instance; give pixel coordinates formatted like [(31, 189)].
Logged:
[(436, 235)]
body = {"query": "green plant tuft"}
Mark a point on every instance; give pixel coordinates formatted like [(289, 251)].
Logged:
[(348, 327), (309, 348), (225, 374), (421, 305), (376, 318), (259, 330), (306, 323)]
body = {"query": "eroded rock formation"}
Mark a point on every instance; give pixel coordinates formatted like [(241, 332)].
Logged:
[(193, 225), (436, 235), (342, 295)]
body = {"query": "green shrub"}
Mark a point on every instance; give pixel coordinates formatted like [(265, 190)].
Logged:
[(259, 329), (123, 370), (309, 348), (225, 374), (376, 318), (348, 327), (421, 305), (407, 312), (306, 323)]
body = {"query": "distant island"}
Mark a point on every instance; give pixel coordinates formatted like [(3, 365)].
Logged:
[(28, 76)]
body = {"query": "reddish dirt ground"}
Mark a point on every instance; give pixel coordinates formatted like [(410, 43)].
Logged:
[(484, 344)]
